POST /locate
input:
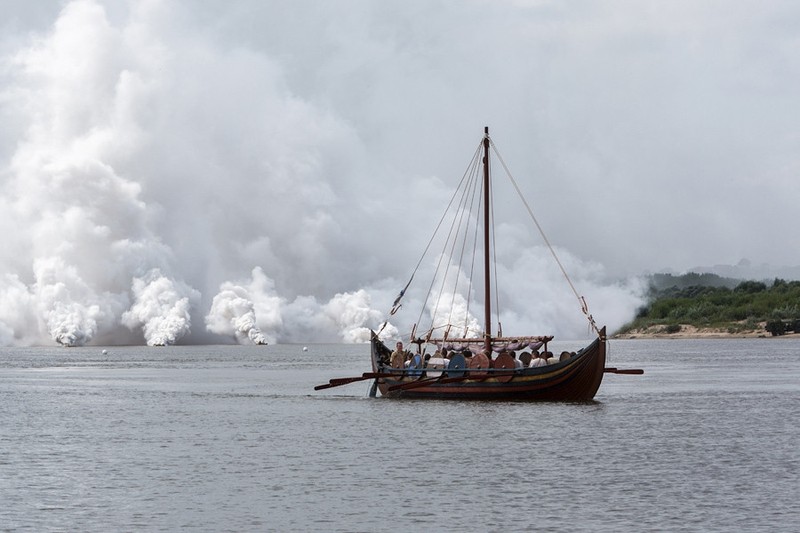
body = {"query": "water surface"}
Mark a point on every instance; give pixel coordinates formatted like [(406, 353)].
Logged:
[(229, 438)]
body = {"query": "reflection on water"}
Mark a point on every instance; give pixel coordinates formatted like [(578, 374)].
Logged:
[(235, 438)]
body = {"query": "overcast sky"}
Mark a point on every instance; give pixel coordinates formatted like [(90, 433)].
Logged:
[(173, 171)]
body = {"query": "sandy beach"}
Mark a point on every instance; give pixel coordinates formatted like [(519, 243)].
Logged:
[(691, 332)]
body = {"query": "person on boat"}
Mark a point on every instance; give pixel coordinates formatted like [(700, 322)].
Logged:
[(538, 359), (517, 362), (398, 356), (439, 359)]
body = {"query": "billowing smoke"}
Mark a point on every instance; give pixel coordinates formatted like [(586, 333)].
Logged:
[(354, 318), (65, 303), (541, 300), (448, 306), (532, 297), (161, 309), (148, 164), (58, 303), (252, 312), (233, 312), (453, 317)]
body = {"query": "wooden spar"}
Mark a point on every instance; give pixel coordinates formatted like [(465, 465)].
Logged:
[(486, 237)]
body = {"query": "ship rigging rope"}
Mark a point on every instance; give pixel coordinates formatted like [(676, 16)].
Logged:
[(396, 304), (476, 235), (467, 190), (494, 263), (581, 299), (464, 207)]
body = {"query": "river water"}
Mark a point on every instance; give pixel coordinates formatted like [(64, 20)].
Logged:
[(229, 438)]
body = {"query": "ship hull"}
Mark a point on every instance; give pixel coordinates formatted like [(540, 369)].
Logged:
[(575, 379)]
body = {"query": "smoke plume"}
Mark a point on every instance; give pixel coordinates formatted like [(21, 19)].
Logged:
[(233, 312), (160, 308), (159, 173)]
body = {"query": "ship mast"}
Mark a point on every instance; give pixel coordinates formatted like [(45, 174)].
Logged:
[(486, 237)]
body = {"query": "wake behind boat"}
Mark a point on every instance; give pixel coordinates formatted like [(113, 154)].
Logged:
[(455, 358)]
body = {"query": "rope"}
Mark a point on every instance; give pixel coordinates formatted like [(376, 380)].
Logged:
[(457, 225), (467, 190), (463, 188), (581, 299), (496, 291), (476, 235), (396, 305)]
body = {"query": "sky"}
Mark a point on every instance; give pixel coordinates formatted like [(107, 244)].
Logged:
[(247, 171)]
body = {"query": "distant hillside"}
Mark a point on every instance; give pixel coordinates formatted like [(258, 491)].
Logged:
[(747, 270), (660, 282), (708, 301)]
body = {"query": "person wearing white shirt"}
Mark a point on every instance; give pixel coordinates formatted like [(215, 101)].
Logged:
[(538, 360)]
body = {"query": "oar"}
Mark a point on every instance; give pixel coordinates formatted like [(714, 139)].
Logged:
[(635, 371), (335, 382), (365, 375)]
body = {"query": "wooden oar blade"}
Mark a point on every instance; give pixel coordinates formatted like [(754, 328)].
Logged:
[(632, 371), (335, 382), (338, 382), (352, 379)]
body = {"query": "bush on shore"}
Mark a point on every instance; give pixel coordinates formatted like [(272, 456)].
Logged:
[(718, 306)]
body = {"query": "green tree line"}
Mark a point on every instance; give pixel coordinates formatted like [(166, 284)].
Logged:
[(710, 301)]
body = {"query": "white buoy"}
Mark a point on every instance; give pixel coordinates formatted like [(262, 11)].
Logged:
[(305, 348), (105, 352)]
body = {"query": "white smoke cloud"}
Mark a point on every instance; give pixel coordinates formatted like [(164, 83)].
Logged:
[(346, 317), (58, 304), (138, 139), (354, 318), (453, 310), (532, 296), (65, 303), (448, 305), (233, 312), (542, 302), (17, 313), (253, 308), (161, 308)]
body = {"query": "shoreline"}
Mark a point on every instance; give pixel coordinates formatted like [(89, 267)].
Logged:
[(692, 332)]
